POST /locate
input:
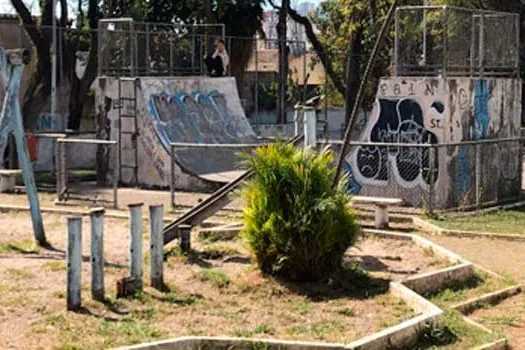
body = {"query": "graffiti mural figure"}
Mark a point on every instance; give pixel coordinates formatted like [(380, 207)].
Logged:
[(400, 121)]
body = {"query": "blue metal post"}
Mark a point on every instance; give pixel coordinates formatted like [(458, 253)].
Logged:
[(11, 71)]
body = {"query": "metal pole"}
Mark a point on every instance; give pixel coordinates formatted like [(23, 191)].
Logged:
[(472, 45), (445, 41), (172, 176), (135, 246), (517, 24), (156, 214), (482, 45), (185, 237), (432, 178), (58, 170), (304, 73), (115, 182), (396, 44), (23, 156), (148, 57), (424, 37), (74, 262), (478, 175), (97, 253), (63, 169), (256, 83), (54, 60)]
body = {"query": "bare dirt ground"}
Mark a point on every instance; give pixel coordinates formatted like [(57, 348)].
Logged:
[(506, 258), (213, 291), (394, 259)]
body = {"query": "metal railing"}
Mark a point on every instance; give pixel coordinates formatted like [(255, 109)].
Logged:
[(63, 191), (437, 177), (452, 41)]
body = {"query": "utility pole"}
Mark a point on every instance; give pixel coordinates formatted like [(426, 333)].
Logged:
[(54, 63)]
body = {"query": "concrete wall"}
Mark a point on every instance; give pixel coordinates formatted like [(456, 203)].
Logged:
[(193, 109), (440, 111)]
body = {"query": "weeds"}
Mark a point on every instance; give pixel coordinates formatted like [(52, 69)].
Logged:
[(215, 277)]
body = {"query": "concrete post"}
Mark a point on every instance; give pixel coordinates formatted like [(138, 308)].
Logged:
[(185, 237), (296, 119), (156, 214), (97, 254), (381, 217), (74, 262), (310, 127), (135, 246)]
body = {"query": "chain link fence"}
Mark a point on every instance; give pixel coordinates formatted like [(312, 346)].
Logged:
[(437, 177), (451, 41)]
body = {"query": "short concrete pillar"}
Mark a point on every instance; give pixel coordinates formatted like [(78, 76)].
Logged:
[(381, 217), (156, 218), (185, 237), (8, 180), (310, 127), (74, 262), (135, 243), (97, 254), (297, 120)]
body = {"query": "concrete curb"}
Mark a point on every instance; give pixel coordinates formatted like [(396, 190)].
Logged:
[(469, 306), (430, 282), (432, 229)]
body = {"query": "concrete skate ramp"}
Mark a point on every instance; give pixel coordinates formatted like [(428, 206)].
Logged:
[(199, 110), (206, 110)]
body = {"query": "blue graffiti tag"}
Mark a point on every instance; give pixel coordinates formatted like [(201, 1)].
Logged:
[(481, 110), (352, 186)]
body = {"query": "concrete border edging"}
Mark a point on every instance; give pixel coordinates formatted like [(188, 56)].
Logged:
[(430, 282), (432, 229), (469, 306)]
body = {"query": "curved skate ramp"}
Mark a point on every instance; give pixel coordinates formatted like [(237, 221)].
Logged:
[(209, 113), (148, 113)]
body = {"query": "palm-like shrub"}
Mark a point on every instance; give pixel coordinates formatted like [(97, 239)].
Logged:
[(297, 225)]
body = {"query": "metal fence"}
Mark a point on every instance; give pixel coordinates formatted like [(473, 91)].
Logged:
[(437, 177), (448, 41)]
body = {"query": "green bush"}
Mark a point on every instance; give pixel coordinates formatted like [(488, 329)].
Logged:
[(296, 224)]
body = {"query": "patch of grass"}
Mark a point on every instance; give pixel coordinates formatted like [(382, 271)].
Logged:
[(241, 333), (429, 251), (346, 311), (318, 330), (509, 321), (455, 334), (215, 277), (508, 221), (20, 274), (148, 314), (19, 247), (301, 307), (129, 330), (181, 299), (263, 329), (477, 285), (218, 251), (56, 265)]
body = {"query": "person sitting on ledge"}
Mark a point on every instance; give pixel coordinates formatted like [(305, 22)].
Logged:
[(217, 64)]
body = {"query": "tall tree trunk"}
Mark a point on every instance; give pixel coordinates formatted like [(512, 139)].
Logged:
[(283, 62)]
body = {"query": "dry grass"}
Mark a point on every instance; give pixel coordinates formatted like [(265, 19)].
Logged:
[(212, 291)]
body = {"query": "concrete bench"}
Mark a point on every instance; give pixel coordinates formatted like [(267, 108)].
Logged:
[(7, 179), (381, 205)]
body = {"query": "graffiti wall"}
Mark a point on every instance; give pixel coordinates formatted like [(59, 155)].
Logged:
[(188, 110), (439, 111)]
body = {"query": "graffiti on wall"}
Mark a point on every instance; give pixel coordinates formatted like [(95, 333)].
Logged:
[(197, 117), (400, 120)]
